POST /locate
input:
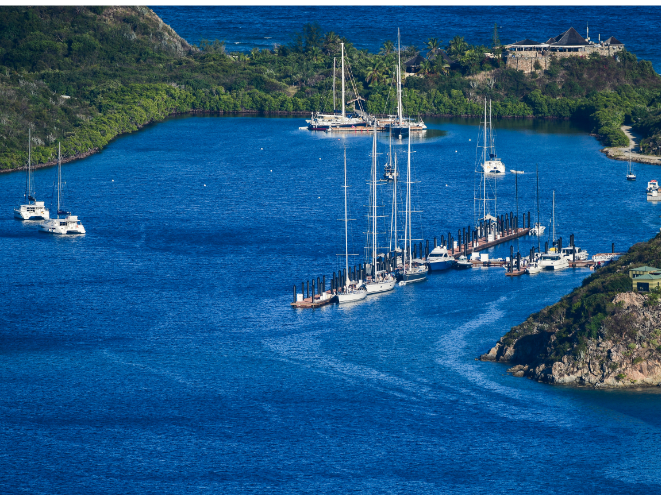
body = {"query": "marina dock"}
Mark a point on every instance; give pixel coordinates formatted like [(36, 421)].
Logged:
[(482, 244), (316, 301)]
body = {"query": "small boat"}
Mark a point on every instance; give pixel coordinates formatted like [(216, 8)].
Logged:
[(439, 259), (352, 291), (630, 173), (537, 230), (533, 268), (70, 223), (653, 191), (33, 210), (463, 263)]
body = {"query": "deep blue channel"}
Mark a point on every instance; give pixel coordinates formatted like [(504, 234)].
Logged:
[(158, 353)]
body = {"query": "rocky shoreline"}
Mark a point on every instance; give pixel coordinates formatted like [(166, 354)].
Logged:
[(633, 361)]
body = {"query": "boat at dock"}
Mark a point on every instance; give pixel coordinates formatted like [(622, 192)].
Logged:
[(439, 259), (574, 253), (553, 261), (33, 210), (352, 291), (379, 280), (463, 262), (412, 270), (61, 226)]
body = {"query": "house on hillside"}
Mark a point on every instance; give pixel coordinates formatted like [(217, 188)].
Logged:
[(526, 54)]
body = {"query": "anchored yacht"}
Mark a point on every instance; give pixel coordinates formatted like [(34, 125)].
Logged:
[(33, 210), (70, 223)]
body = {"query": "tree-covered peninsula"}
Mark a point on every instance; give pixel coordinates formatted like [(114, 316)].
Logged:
[(603, 334), (84, 75)]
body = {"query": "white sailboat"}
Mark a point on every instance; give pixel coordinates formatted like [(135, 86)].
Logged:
[(401, 127), (553, 260), (33, 210), (491, 164), (380, 280), (411, 271), (70, 223), (343, 122), (485, 199), (630, 173), (352, 290), (538, 229)]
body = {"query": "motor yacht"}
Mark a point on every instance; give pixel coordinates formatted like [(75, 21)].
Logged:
[(537, 230), (439, 259), (463, 263), (568, 252), (553, 261)]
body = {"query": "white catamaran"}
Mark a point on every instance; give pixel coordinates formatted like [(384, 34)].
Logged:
[(70, 223), (33, 210), (352, 290)]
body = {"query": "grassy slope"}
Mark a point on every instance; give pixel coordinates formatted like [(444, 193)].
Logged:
[(123, 68)]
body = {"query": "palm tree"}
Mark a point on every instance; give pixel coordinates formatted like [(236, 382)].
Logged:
[(432, 45), (331, 43), (458, 46), (387, 48), (375, 72), (315, 53), (425, 67)]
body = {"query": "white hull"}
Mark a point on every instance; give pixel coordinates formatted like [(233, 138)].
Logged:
[(554, 265), (378, 287), (493, 167), (533, 269), (63, 226), (32, 212), (357, 295)]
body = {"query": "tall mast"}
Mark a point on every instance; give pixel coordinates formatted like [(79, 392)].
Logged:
[(374, 199), (346, 223), (394, 196), (59, 177), (538, 233), (334, 105), (399, 78), (495, 183), (343, 111), (554, 216), (408, 202), (484, 162), (29, 164)]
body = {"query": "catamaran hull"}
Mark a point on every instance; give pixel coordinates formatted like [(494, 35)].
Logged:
[(37, 214), (339, 127)]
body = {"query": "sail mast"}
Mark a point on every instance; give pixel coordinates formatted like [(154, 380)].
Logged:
[(374, 199), (346, 223), (59, 177), (29, 164), (484, 162), (399, 79), (408, 205), (538, 228), (334, 105), (554, 217), (343, 111)]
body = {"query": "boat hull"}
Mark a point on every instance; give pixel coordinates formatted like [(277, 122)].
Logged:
[(378, 287), (438, 266), (410, 278), (354, 296)]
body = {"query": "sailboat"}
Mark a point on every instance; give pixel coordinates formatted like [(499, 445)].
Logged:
[(538, 229), (630, 173), (343, 122), (482, 200), (390, 170), (33, 210), (401, 127), (352, 291), (380, 280), (553, 260), (491, 164), (411, 271), (70, 223)]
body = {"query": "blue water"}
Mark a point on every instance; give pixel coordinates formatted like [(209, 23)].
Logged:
[(158, 353), (243, 28)]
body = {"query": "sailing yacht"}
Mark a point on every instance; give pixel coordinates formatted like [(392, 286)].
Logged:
[(33, 210), (553, 260), (630, 173), (70, 223), (352, 291), (412, 271), (390, 170), (491, 164), (380, 280), (401, 126), (343, 122), (538, 229)]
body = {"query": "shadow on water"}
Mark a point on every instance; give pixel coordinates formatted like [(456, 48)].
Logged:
[(544, 126)]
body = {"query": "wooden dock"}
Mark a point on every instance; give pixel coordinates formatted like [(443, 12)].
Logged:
[(516, 273), (315, 302), (483, 244)]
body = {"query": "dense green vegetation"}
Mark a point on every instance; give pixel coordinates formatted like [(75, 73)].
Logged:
[(588, 312), (84, 75)]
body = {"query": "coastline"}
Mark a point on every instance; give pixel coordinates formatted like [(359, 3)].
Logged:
[(623, 154)]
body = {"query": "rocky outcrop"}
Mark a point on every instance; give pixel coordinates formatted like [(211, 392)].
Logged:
[(630, 357)]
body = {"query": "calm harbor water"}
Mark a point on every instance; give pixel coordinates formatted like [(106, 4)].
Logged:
[(243, 28), (158, 353)]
